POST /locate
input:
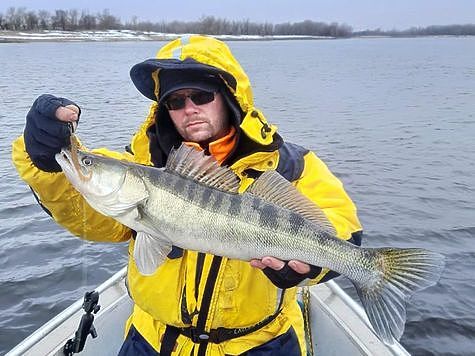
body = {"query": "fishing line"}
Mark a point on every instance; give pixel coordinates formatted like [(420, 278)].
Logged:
[(75, 145)]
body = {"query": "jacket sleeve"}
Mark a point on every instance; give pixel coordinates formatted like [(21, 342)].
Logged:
[(66, 206), (322, 187)]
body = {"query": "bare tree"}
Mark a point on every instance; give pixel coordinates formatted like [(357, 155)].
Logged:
[(44, 20), (31, 21), (16, 18), (108, 21), (132, 25), (60, 20), (73, 19), (87, 21)]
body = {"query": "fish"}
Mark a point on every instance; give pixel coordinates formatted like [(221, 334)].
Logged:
[(195, 204)]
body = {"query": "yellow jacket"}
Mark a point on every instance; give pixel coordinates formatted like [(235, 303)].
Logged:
[(241, 296)]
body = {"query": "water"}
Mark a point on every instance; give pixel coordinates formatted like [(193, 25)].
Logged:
[(393, 118)]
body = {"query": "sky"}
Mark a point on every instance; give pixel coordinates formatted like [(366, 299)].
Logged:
[(360, 14)]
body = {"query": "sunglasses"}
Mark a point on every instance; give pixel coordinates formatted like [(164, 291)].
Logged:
[(178, 102)]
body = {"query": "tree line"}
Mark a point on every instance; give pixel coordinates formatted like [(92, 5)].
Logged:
[(21, 19), (439, 30)]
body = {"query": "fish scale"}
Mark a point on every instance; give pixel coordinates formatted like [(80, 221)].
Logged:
[(268, 222), (193, 204)]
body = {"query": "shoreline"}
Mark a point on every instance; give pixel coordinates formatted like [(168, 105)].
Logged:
[(127, 35), (137, 36)]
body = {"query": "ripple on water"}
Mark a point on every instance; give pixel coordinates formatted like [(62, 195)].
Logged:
[(398, 132)]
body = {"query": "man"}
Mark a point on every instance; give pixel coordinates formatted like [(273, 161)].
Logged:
[(195, 303)]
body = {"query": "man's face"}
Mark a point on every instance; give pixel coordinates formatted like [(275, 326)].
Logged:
[(200, 123)]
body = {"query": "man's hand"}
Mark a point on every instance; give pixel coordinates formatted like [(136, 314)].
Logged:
[(285, 274), (277, 265), (68, 113), (47, 129)]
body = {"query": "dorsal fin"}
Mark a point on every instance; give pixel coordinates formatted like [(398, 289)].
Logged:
[(191, 163), (274, 188)]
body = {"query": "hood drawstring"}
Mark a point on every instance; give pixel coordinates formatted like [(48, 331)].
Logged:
[(265, 128)]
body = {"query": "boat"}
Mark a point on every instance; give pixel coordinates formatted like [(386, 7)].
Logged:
[(338, 324)]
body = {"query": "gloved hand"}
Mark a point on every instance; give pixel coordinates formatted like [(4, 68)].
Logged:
[(47, 129), (286, 274)]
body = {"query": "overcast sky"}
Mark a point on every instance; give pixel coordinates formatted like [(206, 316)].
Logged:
[(360, 14)]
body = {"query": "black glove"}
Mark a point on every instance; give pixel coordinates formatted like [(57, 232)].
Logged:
[(44, 134), (286, 277)]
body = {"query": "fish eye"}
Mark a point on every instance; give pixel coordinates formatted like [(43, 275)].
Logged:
[(87, 161)]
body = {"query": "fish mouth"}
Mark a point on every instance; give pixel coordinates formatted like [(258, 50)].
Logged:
[(65, 160), (80, 177), (69, 162)]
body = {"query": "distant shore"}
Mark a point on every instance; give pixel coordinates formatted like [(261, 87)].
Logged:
[(125, 35), (129, 35)]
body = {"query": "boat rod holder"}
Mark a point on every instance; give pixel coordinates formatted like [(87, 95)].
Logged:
[(91, 307)]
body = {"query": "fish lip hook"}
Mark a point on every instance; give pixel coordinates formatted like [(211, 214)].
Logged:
[(73, 158)]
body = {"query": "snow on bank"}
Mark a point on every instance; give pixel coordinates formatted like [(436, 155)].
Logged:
[(122, 35)]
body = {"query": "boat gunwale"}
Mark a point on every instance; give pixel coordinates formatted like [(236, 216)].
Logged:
[(52, 324), (332, 288)]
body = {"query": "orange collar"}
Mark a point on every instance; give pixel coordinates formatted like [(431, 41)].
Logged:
[(221, 148)]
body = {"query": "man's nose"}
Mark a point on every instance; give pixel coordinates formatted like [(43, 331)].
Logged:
[(190, 106)]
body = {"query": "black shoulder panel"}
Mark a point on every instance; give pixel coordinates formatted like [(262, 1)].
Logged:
[(291, 162)]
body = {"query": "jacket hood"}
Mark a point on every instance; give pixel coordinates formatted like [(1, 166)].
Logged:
[(199, 53), (209, 55)]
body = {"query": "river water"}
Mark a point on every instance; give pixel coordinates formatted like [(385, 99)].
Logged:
[(393, 119)]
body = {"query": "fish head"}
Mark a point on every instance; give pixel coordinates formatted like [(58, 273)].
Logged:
[(110, 186), (94, 176)]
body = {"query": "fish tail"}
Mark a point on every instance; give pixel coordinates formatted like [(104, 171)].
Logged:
[(400, 274)]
